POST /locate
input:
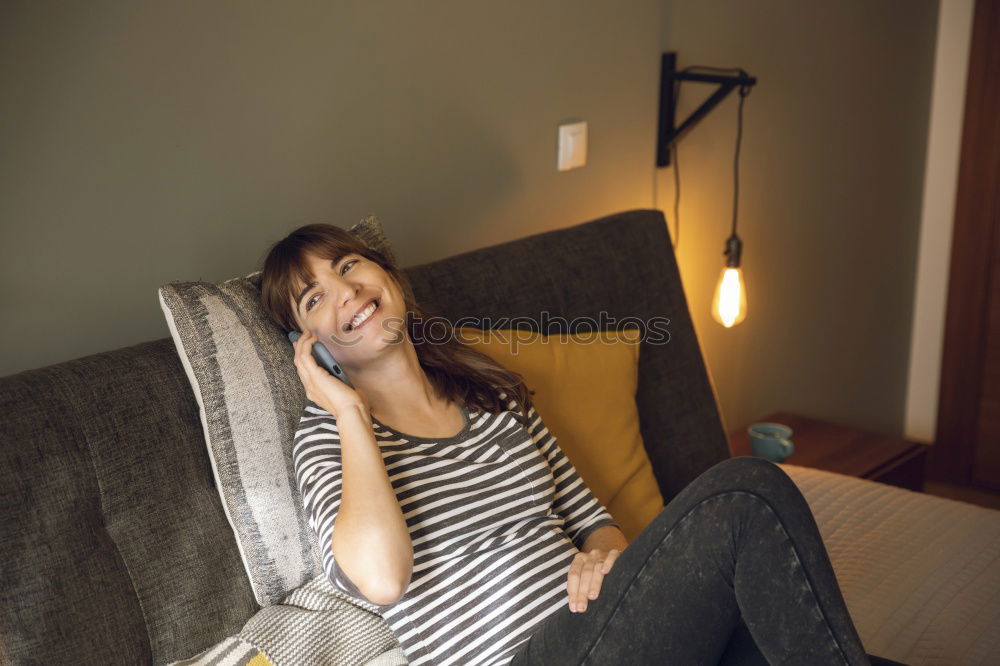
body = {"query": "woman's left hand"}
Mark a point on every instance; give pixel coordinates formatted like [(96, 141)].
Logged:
[(586, 574)]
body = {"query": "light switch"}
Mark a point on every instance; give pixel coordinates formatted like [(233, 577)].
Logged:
[(572, 146)]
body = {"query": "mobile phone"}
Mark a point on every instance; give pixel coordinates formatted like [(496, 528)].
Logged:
[(324, 358)]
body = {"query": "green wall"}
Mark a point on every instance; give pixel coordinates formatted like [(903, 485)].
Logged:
[(831, 177), (147, 142), (157, 141)]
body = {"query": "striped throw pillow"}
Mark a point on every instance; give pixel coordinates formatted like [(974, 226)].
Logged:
[(250, 399)]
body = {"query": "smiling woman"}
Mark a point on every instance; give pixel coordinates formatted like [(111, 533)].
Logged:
[(312, 293), (320, 276)]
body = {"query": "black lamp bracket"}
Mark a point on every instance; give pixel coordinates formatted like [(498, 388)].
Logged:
[(668, 131)]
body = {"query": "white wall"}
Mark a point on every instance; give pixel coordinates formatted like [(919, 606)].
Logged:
[(944, 136)]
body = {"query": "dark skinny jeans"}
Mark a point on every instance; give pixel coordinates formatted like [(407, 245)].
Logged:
[(732, 571)]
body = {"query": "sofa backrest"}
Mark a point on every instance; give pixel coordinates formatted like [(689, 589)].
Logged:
[(115, 545)]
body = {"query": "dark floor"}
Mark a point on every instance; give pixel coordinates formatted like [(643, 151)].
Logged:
[(980, 496)]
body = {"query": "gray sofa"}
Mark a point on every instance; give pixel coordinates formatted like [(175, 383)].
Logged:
[(116, 549)]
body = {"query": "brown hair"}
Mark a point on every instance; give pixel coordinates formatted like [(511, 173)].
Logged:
[(456, 370)]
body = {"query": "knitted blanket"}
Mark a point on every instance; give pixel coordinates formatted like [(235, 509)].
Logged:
[(314, 624)]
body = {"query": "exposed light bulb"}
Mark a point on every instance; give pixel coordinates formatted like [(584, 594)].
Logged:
[(729, 305)]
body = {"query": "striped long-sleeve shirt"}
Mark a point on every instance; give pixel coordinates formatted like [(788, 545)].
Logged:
[(495, 514)]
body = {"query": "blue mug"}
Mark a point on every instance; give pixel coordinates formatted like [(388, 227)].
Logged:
[(772, 441)]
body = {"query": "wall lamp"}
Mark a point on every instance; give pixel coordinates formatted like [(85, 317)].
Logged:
[(729, 302)]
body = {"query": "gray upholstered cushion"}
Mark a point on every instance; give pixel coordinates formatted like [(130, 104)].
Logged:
[(250, 398), (115, 548)]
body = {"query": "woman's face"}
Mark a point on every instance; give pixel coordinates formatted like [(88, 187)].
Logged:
[(333, 307)]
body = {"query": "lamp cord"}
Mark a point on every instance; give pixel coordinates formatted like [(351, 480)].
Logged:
[(744, 91), (677, 196)]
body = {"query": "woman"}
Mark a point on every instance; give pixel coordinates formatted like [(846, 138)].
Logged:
[(461, 522)]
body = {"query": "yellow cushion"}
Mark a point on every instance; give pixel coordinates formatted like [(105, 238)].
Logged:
[(585, 388)]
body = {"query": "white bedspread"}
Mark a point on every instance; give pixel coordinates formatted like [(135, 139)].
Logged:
[(920, 574)]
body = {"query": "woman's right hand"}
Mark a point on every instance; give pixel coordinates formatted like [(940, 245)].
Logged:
[(321, 387)]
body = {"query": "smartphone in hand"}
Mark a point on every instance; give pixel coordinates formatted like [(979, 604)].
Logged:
[(324, 358)]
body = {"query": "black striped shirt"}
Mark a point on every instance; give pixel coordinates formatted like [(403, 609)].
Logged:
[(495, 514)]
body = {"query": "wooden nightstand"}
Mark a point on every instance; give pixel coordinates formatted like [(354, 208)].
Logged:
[(835, 448)]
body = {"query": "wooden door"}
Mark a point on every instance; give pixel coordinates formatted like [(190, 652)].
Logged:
[(967, 442)]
